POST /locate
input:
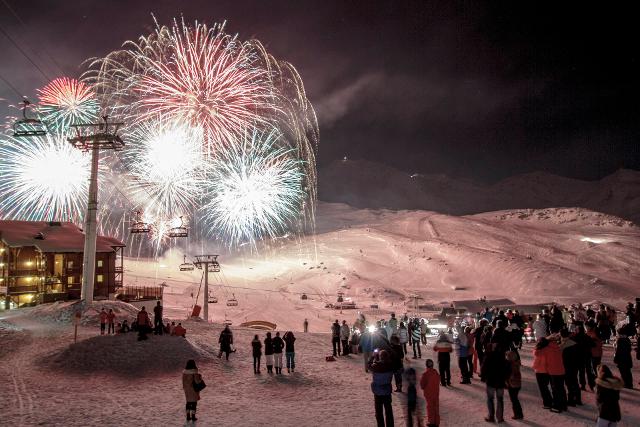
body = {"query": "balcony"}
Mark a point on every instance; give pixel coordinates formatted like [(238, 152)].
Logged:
[(23, 289)]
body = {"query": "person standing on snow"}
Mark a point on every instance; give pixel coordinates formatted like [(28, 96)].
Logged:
[(444, 348), (225, 341), (344, 337), (412, 399), (366, 347), (335, 337), (268, 352), (514, 383), (305, 326), (157, 319), (430, 385), (403, 337), (289, 351), (462, 349), (382, 370), (608, 397), (278, 345), (392, 325), (623, 359), (416, 339), (494, 373), (191, 384), (111, 318), (397, 357), (256, 349), (143, 324), (540, 328), (571, 355), (103, 321)]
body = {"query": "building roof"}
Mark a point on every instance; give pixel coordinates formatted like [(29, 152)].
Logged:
[(474, 306), (51, 236)]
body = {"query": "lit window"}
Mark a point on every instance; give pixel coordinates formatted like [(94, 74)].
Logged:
[(99, 263), (69, 264), (70, 280), (99, 278)]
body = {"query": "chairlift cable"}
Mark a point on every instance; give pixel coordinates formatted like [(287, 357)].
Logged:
[(46, 78), (12, 87)]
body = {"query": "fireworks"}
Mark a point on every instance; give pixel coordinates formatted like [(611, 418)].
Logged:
[(255, 189), (66, 101), (43, 178), (165, 164)]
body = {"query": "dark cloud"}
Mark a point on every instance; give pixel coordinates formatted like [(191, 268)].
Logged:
[(482, 90)]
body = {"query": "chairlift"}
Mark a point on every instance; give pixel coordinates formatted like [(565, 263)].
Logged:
[(232, 302), (304, 296), (340, 297), (212, 299), (139, 226), (179, 231), (214, 267), (27, 127), (186, 266)]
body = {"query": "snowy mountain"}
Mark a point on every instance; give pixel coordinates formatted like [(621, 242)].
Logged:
[(367, 184)]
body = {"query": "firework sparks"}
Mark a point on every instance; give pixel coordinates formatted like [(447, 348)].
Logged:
[(256, 189), (166, 164), (43, 178), (66, 101)]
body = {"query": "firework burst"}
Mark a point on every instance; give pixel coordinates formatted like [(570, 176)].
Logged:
[(43, 178), (256, 190), (66, 101)]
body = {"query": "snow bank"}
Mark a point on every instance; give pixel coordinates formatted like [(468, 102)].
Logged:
[(63, 312)]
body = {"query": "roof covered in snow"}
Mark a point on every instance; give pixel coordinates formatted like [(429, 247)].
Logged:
[(51, 236)]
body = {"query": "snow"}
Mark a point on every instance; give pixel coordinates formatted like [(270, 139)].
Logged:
[(118, 381)]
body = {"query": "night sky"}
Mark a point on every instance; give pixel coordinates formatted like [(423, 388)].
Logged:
[(481, 90)]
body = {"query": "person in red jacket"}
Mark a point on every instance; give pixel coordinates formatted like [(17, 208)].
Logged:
[(143, 324), (542, 373), (111, 318), (103, 321), (555, 367), (180, 331), (430, 385)]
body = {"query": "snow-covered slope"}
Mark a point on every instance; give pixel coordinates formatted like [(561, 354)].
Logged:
[(381, 257), (366, 184)]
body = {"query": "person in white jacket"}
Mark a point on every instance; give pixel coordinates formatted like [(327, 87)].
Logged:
[(345, 331)]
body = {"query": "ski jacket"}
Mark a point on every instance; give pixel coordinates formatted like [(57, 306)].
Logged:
[(157, 311), (143, 318), (335, 330), (540, 328), (344, 332), (515, 376), (111, 317), (179, 331), (382, 375), (289, 339), (622, 356), (554, 359), (103, 317), (443, 345), (596, 349), (415, 333), (256, 347), (495, 370), (268, 346), (430, 384), (366, 342), (403, 335), (278, 345)]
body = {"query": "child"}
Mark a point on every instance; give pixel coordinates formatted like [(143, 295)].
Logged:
[(430, 385), (623, 359), (412, 398)]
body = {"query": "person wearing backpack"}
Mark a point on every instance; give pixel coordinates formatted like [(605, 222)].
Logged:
[(192, 384)]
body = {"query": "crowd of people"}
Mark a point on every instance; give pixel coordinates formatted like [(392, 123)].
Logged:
[(142, 324)]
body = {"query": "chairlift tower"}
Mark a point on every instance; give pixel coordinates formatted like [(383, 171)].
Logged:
[(94, 137), (207, 263)]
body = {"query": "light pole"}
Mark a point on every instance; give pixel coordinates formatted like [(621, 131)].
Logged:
[(85, 139), (207, 263)]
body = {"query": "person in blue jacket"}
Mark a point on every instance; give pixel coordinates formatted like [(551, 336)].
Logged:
[(381, 367)]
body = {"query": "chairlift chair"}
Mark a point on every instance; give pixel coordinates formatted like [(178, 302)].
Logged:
[(232, 302), (27, 127), (212, 299), (340, 297), (139, 226), (179, 231), (214, 267), (303, 296), (186, 266)]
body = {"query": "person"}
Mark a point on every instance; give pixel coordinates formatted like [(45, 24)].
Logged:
[(462, 350), (344, 337), (555, 368), (412, 398), (443, 348), (172, 328), (494, 373), (180, 331), (622, 357), (540, 328), (157, 319), (602, 322), (289, 351), (430, 385), (514, 382), (542, 373), (403, 336), (380, 365), (305, 326), (335, 337), (424, 330), (571, 355), (501, 337), (471, 366), (355, 341), (191, 377), (125, 327), (392, 325), (608, 397), (477, 342), (397, 357), (366, 347), (256, 347), (167, 328), (613, 319), (278, 345), (268, 352), (111, 319), (103, 321), (143, 324), (594, 358), (226, 341), (500, 317), (415, 339)]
